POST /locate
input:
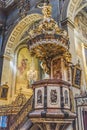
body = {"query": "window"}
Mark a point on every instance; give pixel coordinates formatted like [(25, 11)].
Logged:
[(3, 121)]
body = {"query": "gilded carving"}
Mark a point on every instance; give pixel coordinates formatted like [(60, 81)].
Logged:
[(47, 40)]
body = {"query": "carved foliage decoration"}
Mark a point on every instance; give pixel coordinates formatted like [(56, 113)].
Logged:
[(53, 96), (20, 100), (81, 101)]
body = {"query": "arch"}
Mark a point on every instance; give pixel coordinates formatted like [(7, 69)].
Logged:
[(80, 8), (69, 9), (19, 30), (13, 42), (73, 5)]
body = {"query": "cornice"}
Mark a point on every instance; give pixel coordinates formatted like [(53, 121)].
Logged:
[(66, 22)]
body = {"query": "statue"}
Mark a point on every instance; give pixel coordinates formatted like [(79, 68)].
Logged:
[(32, 76)]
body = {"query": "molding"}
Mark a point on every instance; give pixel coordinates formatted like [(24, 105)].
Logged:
[(73, 5), (69, 22), (19, 30)]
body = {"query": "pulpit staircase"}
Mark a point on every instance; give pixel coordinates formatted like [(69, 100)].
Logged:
[(22, 116)]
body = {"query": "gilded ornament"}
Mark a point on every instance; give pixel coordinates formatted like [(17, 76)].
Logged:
[(48, 40)]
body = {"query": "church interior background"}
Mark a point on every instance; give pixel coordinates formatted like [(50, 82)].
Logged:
[(43, 64)]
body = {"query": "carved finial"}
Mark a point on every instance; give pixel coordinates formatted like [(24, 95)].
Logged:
[(47, 10)]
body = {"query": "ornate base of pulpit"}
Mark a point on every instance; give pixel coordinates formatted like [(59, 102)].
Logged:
[(52, 97), (52, 104)]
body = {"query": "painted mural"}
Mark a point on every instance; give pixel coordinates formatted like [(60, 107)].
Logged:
[(27, 69)]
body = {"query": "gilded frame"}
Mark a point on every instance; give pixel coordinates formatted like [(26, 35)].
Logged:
[(77, 74), (1, 90)]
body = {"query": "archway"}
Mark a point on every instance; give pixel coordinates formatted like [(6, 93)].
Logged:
[(71, 8), (14, 40), (19, 30)]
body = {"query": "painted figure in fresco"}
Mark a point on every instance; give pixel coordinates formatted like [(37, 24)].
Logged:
[(22, 72), (23, 65), (53, 96), (26, 73), (39, 96)]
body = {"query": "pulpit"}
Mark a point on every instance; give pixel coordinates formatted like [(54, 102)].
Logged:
[(52, 99)]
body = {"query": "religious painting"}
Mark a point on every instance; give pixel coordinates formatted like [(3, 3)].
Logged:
[(53, 96), (4, 93), (27, 69), (39, 97), (77, 76)]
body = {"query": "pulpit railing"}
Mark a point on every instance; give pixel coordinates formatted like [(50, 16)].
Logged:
[(18, 119)]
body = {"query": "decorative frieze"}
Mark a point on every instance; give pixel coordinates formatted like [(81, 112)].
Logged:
[(81, 23), (19, 31), (71, 8), (81, 101)]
